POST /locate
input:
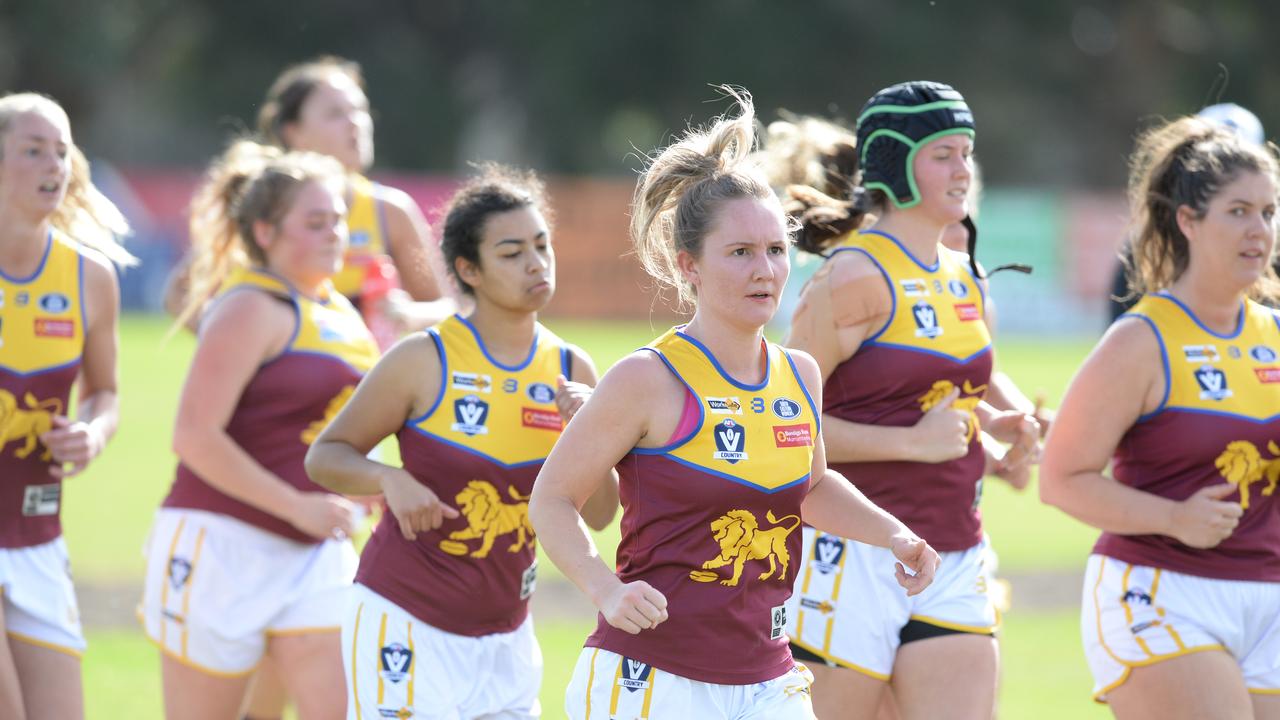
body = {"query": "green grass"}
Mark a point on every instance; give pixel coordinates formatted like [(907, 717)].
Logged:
[(1044, 676)]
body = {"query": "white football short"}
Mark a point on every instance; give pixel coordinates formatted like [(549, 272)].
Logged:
[(39, 600)]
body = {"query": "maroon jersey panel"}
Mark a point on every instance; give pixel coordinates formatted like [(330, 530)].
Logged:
[(1178, 452), (474, 574), (724, 554), (279, 414), (30, 498), (893, 386)]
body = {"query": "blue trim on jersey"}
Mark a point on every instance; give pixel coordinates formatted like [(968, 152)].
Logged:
[(1221, 413), (893, 296), (728, 378), (817, 416), (566, 362), (48, 249), (1275, 315), (533, 350), (84, 314), (1164, 358), (982, 293), (702, 413), (912, 348), (1196, 320), (936, 263), (444, 378), (41, 371), (473, 451), (733, 478)]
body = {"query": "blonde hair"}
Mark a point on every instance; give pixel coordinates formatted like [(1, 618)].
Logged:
[(248, 184), (1185, 162), (85, 214), (684, 184)]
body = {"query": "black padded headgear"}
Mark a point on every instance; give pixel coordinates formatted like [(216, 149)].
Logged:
[(895, 123)]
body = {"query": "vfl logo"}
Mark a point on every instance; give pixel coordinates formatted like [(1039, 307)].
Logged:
[(740, 538), (828, 550), (27, 425), (731, 442), (1262, 353), (471, 413), (1201, 353), (488, 517), (179, 572), (958, 288), (724, 405), (541, 393), (635, 675), (397, 662), (926, 320), (786, 409), (54, 302), (330, 412), (1242, 464), (1213, 383), (968, 401), (914, 288), (472, 381)]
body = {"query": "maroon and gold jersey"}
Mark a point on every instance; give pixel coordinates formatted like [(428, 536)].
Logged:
[(289, 400), (1219, 422), (42, 331), (711, 520), (479, 448), (935, 340)]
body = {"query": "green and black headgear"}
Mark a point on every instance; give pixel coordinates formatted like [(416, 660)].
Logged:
[(892, 127)]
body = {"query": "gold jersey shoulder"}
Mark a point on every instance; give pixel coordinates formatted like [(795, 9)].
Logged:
[(505, 413), (1236, 374), (42, 315), (366, 235), (938, 308), (329, 327), (761, 435)]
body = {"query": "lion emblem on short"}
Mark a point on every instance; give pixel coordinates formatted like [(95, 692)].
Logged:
[(1242, 464), (488, 517), (968, 401), (19, 424), (741, 539), (330, 412)]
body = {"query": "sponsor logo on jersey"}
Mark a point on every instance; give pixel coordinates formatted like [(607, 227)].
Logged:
[(731, 442), (22, 298), (786, 408), (397, 662), (472, 381), (394, 713), (757, 405), (358, 239), (1213, 383), (541, 419), (777, 621), (967, 312), (38, 500), (822, 606), (958, 288), (1201, 353), (785, 436), (915, 287), (635, 675), (541, 393), (926, 320), (1144, 626), (1136, 596), (937, 286), (1233, 352), (827, 552), (49, 327), (510, 385), (1268, 374), (724, 405), (54, 302), (1262, 353), (528, 580), (470, 413)]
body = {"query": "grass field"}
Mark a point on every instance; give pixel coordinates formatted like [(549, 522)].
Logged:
[(109, 509)]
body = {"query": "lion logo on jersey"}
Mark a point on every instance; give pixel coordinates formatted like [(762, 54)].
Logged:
[(330, 412), (968, 401), (18, 424), (1242, 464), (488, 517), (741, 539)]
